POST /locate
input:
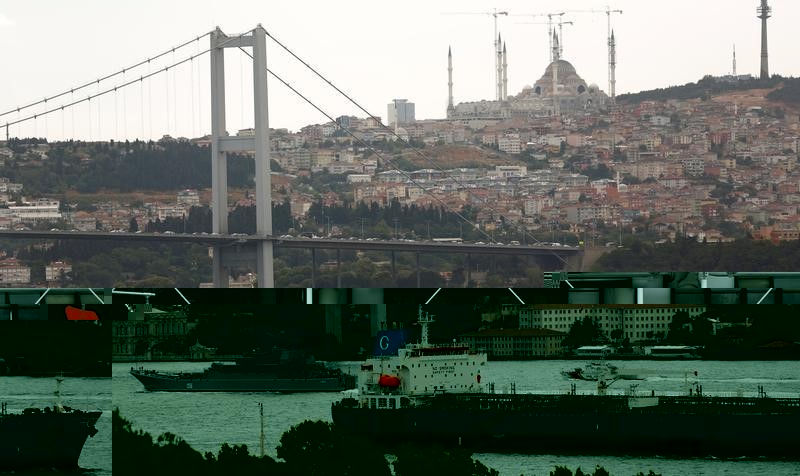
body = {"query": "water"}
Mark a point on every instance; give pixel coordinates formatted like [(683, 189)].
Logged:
[(77, 392), (206, 420)]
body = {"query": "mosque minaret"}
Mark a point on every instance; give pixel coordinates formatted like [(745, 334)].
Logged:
[(505, 73), (450, 108)]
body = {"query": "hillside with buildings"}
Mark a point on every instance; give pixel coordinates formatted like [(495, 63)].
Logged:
[(650, 170)]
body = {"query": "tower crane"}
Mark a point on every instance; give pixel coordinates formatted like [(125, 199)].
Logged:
[(550, 16), (550, 34), (608, 11), (497, 46), (561, 23), (612, 62)]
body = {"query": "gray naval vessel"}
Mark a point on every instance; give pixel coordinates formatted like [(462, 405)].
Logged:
[(274, 371)]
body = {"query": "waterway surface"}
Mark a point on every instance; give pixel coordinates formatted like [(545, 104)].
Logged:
[(206, 420)]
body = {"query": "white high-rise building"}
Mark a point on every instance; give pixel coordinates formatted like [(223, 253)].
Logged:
[(400, 111)]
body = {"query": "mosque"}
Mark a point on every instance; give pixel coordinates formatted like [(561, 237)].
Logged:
[(560, 91)]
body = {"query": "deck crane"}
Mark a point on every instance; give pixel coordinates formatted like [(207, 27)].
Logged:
[(498, 51)]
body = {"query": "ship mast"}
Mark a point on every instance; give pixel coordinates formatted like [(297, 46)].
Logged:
[(58, 407), (424, 321)]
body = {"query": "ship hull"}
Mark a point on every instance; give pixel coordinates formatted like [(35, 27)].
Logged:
[(232, 383), (582, 426), (44, 440)]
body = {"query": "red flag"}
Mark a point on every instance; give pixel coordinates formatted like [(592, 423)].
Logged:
[(75, 314)]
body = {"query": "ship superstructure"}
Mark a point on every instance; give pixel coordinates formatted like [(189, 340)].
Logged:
[(419, 371)]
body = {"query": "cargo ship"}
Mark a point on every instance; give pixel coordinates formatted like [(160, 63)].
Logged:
[(279, 371), (438, 393), (44, 438)]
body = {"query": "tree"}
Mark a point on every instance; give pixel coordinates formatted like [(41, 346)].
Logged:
[(133, 227), (318, 448), (680, 328), (417, 460), (583, 332), (169, 454), (600, 471), (561, 471)]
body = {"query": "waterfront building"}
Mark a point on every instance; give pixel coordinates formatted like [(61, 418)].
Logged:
[(515, 343), (636, 321), (145, 327)]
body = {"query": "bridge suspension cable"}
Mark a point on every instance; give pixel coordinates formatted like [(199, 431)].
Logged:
[(371, 149), (403, 141), (100, 93), (104, 78)]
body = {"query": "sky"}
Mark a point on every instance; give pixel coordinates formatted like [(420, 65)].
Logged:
[(373, 51)]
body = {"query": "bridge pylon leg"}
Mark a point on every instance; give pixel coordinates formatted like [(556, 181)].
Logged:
[(264, 268), (266, 275), (219, 272), (219, 158)]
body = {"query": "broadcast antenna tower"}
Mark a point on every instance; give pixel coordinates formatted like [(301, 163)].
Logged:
[(764, 12)]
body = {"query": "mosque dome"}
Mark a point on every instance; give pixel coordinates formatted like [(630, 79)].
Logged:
[(565, 69), (567, 79)]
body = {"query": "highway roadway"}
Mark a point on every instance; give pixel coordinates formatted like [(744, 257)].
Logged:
[(369, 244)]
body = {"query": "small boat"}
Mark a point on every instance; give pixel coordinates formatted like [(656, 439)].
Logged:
[(593, 371)]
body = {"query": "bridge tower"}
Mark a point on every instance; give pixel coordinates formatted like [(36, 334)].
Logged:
[(222, 144)]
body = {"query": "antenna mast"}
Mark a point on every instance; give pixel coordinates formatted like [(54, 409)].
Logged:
[(58, 407), (424, 320), (764, 12), (262, 439)]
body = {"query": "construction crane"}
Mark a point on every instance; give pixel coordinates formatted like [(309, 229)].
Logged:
[(498, 52), (550, 34), (550, 16), (608, 11), (611, 47), (550, 30)]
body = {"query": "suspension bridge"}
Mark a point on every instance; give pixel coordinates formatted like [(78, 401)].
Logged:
[(121, 99)]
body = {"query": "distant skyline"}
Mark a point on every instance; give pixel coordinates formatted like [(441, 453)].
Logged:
[(373, 51)]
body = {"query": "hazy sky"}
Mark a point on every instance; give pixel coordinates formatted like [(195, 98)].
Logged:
[(375, 51)]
